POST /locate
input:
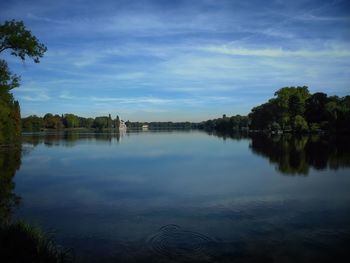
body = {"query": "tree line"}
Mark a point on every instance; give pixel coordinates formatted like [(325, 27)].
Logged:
[(292, 109), (163, 125), (69, 120), (66, 121), (226, 124)]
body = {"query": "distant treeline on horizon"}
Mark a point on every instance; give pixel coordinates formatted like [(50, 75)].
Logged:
[(293, 109), (71, 121)]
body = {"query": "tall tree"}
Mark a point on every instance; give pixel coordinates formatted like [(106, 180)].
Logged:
[(8, 80), (109, 123), (290, 101), (117, 122), (315, 110), (15, 38), (71, 120)]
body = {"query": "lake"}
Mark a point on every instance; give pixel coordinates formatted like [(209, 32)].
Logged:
[(184, 196)]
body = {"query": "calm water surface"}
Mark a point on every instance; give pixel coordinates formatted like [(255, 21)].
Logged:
[(186, 196)]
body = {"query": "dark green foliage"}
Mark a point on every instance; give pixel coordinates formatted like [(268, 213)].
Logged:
[(86, 122), (53, 121), (117, 122), (10, 127), (32, 123), (71, 121), (315, 110), (109, 122), (228, 124), (21, 43), (9, 108), (68, 120), (169, 125), (134, 125), (262, 116), (15, 37), (294, 109), (101, 122), (8, 80), (299, 124), (296, 106)]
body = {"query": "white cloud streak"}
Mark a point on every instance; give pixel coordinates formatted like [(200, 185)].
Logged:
[(188, 55), (32, 94), (237, 51)]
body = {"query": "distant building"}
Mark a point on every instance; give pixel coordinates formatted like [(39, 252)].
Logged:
[(145, 127), (122, 125)]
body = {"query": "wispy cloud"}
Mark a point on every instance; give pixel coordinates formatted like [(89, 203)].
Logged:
[(132, 100), (41, 97), (65, 95), (198, 100), (32, 94), (168, 58), (238, 51), (46, 19)]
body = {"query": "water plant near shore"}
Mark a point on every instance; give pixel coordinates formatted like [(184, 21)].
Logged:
[(22, 242)]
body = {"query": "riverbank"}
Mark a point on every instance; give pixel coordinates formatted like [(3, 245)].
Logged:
[(22, 242)]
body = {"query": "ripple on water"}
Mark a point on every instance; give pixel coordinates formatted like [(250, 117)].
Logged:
[(173, 241)]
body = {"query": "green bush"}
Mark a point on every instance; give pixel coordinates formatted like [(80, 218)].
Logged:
[(300, 124)]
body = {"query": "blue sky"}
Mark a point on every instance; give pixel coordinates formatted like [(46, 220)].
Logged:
[(178, 60)]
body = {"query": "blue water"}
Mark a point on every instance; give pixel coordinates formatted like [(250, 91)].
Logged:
[(187, 196)]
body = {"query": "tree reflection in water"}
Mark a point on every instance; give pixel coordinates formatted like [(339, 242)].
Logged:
[(10, 162), (292, 154), (69, 139), (295, 155)]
